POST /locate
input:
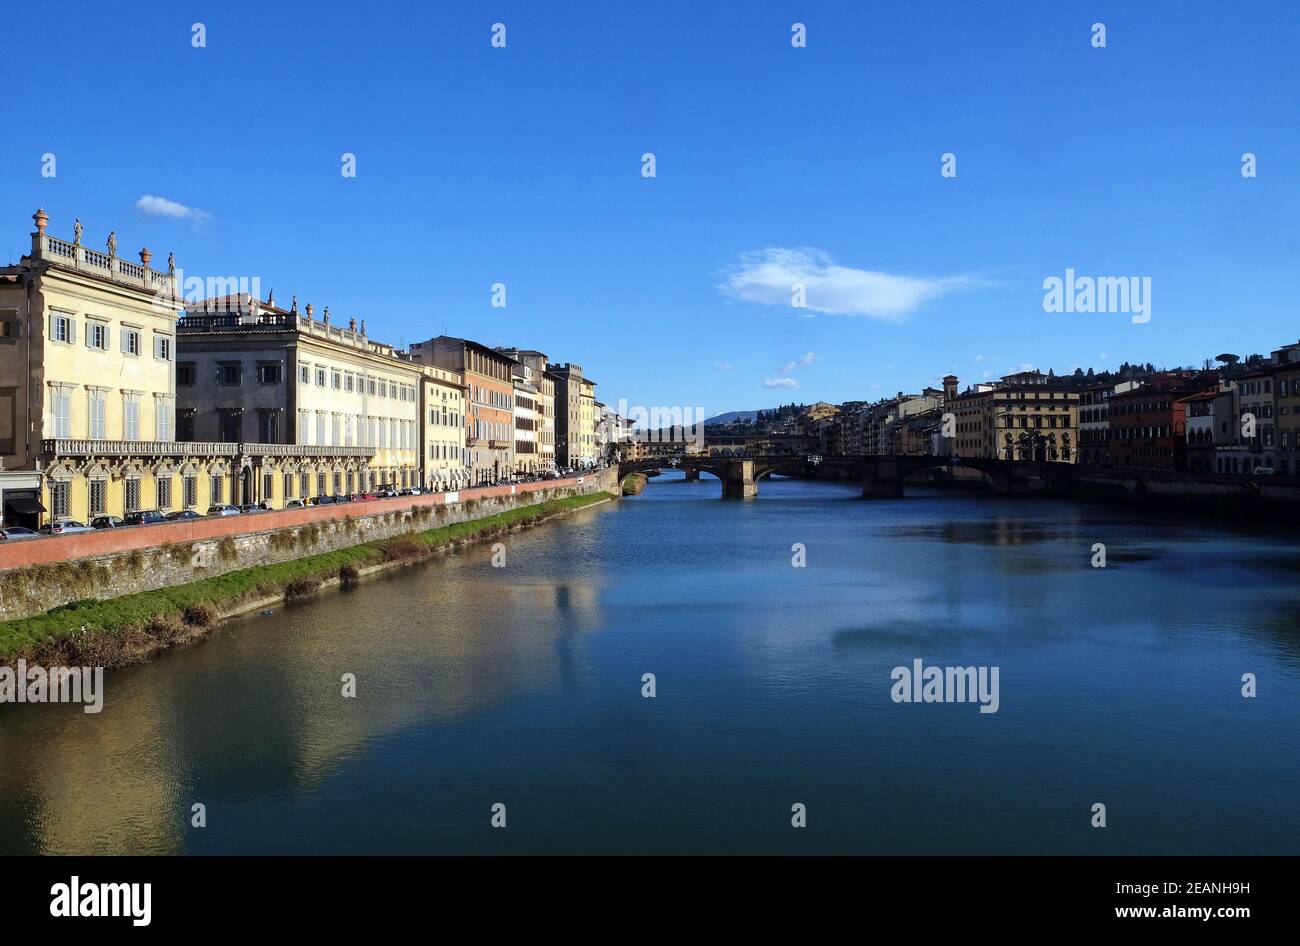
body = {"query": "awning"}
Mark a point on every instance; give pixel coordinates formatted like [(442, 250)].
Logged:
[(24, 505)]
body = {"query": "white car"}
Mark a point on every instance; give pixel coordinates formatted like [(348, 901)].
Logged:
[(17, 534), (223, 509), (1264, 471), (64, 527)]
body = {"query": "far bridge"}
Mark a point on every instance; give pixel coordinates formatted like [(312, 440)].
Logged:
[(880, 476)]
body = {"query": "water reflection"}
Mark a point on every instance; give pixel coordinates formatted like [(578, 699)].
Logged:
[(477, 684)]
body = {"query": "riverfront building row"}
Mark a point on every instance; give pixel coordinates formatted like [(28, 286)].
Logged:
[(1240, 417), (118, 395)]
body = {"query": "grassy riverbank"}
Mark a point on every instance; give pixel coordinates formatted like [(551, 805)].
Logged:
[(132, 628), (633, 483)]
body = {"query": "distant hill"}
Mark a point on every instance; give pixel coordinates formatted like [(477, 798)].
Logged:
[(732, 417)]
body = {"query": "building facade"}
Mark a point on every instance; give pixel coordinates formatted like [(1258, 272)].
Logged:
[(87, 389), (489, 410), (443, 429), (1022, 417), (251, 372)]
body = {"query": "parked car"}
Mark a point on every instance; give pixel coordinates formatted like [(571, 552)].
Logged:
[(106, 522), (1264, 471), (144, 517), (223, 509), (295, 504), (64, 527), (252, 507), (363, 496), (17, 534), (343, 498), (385, 491), (411, 491), (322, 500), (182, 515)]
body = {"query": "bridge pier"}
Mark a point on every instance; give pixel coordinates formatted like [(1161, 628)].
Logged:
[(738, 480), (692, 476), (875, 487)]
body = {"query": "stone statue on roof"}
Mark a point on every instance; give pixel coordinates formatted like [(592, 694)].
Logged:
[(112, 243), (76, 231)]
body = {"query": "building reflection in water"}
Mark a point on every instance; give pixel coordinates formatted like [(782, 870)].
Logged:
[(258, 710)]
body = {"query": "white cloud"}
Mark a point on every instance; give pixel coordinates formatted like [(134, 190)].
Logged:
[(780, 383), (768, 277), (162, 207), (723, 365), (803, 361)]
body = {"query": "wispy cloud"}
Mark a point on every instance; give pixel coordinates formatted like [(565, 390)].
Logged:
[(722, 366), (162, 207), (780, 383), (770, 276), (803, 361)]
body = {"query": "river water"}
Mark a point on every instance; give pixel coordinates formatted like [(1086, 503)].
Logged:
[(522, 685)]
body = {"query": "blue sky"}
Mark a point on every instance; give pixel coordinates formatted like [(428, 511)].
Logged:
[(522, 165)]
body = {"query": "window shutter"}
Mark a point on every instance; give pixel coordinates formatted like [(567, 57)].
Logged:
[(72, 331)]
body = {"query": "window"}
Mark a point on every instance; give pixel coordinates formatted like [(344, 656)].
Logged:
[(61, 407), (217, 489), (268, 426), (185, 374), (320, 484), (336, 379), (304, 373), (185, 424), (268, 485), (162, 419), (288, 485), (131, 340), (162, 347), (97, 430), (132, 495), (8, 330), (164, 484), (304, 484), (130, 416), (229, 373), (320, 427), (268, 374), (60, 494), (63, 328), (320, 376), (372, 387), (97, 336), (349, 382), (98, 497), (190, 486), (230, 424)]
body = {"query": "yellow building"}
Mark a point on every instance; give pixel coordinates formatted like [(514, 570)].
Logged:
[(587, 417), (87, 389), (443, 429), (1021, 417)]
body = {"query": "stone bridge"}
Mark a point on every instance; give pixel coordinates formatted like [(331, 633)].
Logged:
[(879, 475)]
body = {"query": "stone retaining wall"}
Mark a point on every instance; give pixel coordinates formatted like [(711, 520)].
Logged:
[(41, 574)]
